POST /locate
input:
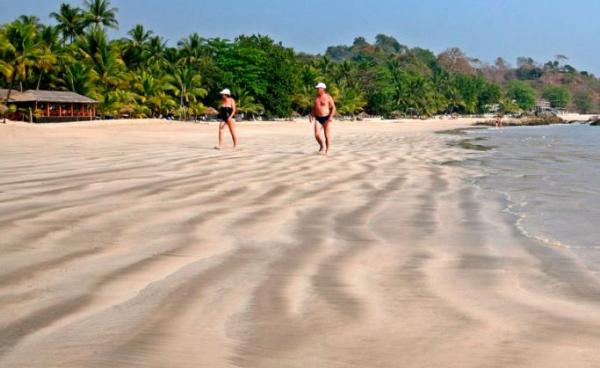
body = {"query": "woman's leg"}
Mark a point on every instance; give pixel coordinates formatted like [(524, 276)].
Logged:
[(221, 127), (231, 126)]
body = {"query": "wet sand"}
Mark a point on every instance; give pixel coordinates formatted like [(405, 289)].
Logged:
[(135, 244)]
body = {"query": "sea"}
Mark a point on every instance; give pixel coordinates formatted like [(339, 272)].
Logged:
[(550, 178)]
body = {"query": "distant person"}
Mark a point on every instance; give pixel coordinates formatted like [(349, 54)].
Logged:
[(227, 111), (499, 121), (323, 111)]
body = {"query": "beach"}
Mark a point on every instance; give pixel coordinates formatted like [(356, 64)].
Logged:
[(136, 244)]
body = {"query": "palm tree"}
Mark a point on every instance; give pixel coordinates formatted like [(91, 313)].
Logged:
[(217, 46), (351, 101), (324, 66), (191, 48), (154, 52), (302, 100), (103, 58), (22, 50), (49, 37), (185, 82), (70, 21), (345, 73), (5, 48), (100, 13), (196, 109), (139, 35), (124, 99), (247, 105), (152, 91), (134, 47), (30, 19), (76, 77)]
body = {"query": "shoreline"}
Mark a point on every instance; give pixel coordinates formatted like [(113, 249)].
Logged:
[(139, 245), (569, 118)]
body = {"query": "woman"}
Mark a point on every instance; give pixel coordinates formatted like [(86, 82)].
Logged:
[(227, 111)]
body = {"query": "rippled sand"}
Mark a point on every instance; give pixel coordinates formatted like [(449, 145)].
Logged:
[(138, 245)]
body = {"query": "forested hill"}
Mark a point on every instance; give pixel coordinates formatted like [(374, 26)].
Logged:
[(143, 74)]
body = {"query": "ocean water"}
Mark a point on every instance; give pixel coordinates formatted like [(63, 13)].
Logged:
[(550, 176)]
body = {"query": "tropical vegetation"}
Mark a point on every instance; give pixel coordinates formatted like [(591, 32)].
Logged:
[(143, 75)]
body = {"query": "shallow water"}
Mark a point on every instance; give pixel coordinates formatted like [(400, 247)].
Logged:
[(550, 176)]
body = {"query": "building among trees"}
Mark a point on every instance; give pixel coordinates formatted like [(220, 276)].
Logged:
[(542, 106), (37, 106)]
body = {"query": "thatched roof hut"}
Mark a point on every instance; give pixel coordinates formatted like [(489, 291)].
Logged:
[(47, 96), (50, 106), (127, 110), (211, 111)]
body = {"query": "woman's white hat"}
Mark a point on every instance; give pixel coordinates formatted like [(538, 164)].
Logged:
[(226, 91), (321, 85)]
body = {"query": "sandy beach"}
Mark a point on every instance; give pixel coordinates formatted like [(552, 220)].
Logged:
[(135, 244)]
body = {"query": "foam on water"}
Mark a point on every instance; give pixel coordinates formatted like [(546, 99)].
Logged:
[(550, 175)]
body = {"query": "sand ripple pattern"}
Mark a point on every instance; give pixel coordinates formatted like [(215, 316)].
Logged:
[(142, 247)]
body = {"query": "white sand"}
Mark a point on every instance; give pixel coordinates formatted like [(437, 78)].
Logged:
[(135, 244)]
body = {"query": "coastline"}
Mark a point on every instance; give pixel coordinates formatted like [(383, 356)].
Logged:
[(136, 244)]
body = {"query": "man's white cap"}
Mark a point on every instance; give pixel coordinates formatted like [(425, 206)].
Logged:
[(226, 91), (321, 85)]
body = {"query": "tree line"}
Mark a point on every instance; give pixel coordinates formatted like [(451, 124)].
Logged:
[(142, 76)]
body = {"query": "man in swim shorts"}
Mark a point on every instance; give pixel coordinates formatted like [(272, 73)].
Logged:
[(323, 111)]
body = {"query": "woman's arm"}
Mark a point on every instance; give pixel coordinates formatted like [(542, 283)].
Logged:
[(233, 109)]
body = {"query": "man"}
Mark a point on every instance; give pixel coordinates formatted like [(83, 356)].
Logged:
[(498, 121), (323, 111)]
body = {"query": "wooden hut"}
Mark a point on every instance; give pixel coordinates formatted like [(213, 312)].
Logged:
[(50, 106), (542, 106)]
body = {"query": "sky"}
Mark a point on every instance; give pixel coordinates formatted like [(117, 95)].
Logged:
[(484, 29)]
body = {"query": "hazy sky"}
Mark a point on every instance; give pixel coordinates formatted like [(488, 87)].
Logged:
[(482, 28)]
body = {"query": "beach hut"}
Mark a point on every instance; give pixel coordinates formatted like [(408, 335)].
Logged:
[(50, 106), (211, 111), (542, 107), (126, 112), (362, 116)]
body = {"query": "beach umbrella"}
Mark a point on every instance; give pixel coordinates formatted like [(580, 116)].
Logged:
[(3, 109), (211, 111)]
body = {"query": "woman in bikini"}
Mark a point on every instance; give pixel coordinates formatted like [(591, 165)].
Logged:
[(227, 111)]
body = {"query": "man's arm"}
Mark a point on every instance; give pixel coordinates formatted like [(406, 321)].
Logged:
[(311, 116), (332, 108)]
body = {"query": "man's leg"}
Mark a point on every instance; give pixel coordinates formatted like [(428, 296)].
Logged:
[(327, 130), (318, 136)]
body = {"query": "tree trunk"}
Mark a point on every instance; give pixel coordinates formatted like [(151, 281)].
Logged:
[(39, 80), (10, 87)]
